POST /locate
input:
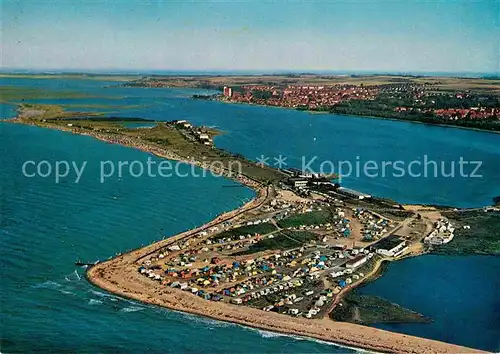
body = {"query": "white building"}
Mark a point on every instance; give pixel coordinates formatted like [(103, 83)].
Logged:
[(299, 182), (442, 234), (390, 246), (352, 193), (356, 261)]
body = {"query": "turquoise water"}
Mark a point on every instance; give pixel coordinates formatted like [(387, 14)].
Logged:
[(7, 111), (460, 294), (45, 227)]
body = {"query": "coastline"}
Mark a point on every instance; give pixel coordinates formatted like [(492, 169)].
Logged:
[(157, 151), (119, 276), (365, 116), (376, 272)]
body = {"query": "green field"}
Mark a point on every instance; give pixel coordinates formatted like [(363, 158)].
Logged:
[(482, 238), (366, 309), (53, 114), (163, 135), (310, 218), (281, 241), (262, 229), (174, 140)]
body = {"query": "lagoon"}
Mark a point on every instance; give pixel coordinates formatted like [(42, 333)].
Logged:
[(459, 293)]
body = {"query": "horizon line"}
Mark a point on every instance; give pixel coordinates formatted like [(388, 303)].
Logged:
[(271, 72)]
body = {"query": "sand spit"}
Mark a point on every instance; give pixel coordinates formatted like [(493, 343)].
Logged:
[(120, 276)]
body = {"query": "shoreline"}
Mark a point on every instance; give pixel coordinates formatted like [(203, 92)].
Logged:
[(364, 116), (119, 276), (156, 151), (376, 272)]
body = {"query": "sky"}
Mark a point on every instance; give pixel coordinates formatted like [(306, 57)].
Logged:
[(385, 36)]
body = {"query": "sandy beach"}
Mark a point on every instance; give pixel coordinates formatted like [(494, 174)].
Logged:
[(120, 276)]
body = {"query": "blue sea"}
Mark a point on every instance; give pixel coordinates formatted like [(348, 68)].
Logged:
[(45, 226)]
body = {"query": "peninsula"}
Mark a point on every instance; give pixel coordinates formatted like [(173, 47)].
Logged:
[(282, 262)]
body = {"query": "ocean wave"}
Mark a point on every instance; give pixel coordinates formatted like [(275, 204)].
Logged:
[(104, 295), (67, 292), (49, 284), (196, 318), (266, 334), (269, 334), (114, 298), (94, 302), (52, 285), (132, 309), (212, 323), (73, 277)]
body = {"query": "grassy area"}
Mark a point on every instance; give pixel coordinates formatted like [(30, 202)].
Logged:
[(366, 309), (37, 113), (163, 135), (97, 123), (173, 139), (262, 229), (99, 119), (310, 218), (482, 238), (281, 241), (394, 214), (98, 106), (17, 95)]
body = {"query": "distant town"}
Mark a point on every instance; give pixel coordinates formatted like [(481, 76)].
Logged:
[(399, 101), (470, 103), (412, 99)]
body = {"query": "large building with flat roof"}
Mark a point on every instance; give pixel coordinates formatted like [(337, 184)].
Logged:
[(352, 193), (390, 246), (356, 261)]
